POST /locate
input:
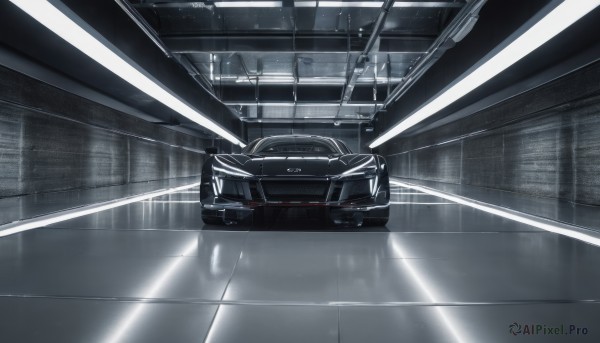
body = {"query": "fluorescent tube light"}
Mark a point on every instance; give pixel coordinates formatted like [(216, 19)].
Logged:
[(375, 4), (549, 26), (29, 224), (247, 4), (421, 203), (411, 193), (59, 23), (361, 4), (171, 201), (581, 235)]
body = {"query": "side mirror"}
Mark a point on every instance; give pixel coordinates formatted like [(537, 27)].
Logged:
[(211, 151)]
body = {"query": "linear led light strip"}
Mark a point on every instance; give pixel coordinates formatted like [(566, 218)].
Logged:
[(573, 233), (420, 203), (333, 4), (407, 193), (29, 224), (549, 26), (171, 201), (59, 23)]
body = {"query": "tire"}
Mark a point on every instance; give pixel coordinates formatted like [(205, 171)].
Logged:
[(212, 220), (375, 221)]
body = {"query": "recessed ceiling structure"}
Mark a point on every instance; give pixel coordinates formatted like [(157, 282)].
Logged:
[(304, 61), (242, 66)]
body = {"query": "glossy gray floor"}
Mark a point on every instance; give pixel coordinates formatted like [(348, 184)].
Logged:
[(438, 272)]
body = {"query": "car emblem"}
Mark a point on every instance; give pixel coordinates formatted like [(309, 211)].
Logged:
[(294, 170)]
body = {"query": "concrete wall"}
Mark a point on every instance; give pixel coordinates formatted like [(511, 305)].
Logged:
[(545, 142), (51, 140)]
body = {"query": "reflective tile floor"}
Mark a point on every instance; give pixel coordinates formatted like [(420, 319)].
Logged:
[(33, 205), (437, 272), (551, 208)]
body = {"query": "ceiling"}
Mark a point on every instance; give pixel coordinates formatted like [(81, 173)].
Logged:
[(304, 61), (290, 63)]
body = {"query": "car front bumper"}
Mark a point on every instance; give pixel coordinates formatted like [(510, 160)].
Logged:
[(338, 213), (345, 200)]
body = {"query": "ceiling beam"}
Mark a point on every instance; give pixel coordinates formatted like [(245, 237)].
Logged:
[(454, 33), (298, 4), (306, 120), (287, 43), (360, 65), (301, 104)]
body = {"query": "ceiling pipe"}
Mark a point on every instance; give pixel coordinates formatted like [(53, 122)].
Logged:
[(329, 120), (143, 25), (193, 71), (359, 66), (454, 33), (137, 18)]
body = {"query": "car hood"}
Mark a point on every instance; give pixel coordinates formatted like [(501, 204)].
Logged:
[(294, 166)]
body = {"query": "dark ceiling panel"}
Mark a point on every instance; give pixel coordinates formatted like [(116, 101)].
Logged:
[(568, 52), (109, 20), (246, 52)]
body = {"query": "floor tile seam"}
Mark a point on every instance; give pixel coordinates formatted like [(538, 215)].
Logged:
[(300, 232), (119, 230), (235, 267), (212, 321), (379, 232), (339, 326), (202, 301)]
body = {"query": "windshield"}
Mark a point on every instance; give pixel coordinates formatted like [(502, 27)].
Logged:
[(310, 146)]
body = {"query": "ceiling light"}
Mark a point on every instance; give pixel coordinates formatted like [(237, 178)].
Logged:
[(549, 26), (375, 4), (363, 4), (97, 48), (246, 4)]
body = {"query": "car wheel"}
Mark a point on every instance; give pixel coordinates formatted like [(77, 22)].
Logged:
[(375, 221), (213, 220)]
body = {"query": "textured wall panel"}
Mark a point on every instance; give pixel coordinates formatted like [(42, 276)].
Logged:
[(535, 149), (587, 155), (145, 165), (20, 89), (483, 161), (10, 131), (51, 141), (440, 163), (110, 163), (531, 157), (400, 164)]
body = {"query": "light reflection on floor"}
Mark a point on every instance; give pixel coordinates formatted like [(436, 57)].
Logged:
[(152, 272)]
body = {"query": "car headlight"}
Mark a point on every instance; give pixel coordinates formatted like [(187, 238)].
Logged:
[(229, 171), (367, 168)]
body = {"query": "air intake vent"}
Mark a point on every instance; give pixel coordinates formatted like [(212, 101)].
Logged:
[(290, 190)]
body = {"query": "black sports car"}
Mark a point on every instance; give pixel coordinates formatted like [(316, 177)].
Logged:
[(296, 171)]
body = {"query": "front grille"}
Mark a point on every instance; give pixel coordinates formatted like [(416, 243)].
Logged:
[(239, 190), (295, 190), (356, 189), (234, 189), (351, 190)]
